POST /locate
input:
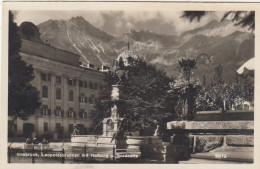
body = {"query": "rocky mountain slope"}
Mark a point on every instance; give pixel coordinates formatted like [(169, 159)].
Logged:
[(213, 44)]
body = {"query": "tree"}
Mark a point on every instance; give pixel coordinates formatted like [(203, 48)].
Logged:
[(23, 98), (144, 101), (220, 95), (241, 18), (27, 30), (185, 88)]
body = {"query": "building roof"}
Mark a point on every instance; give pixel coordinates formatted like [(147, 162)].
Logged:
[(49, 52)]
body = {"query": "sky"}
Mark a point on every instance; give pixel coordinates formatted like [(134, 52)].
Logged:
[(118, 22)]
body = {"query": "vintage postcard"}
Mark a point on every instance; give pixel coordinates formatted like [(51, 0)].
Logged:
[(90, 83)]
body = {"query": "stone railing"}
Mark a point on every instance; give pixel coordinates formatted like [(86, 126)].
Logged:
[(213, 131)]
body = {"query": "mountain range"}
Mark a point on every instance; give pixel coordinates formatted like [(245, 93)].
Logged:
[(216, 43)]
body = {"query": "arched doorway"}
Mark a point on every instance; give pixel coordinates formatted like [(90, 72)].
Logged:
[(28, 129)]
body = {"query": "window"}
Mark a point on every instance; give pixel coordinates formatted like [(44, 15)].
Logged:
[(95, 86), (91, 99), (45, 127), (71, 95), (70, 127), (45, 91), (80, 83), (58, 111), (91, 85), (45, 110), (57, 127), (72, 82), (45, 77), (58, 79), (83, 84), (82, 114), (82, 98), (58, 93), (71, 113)]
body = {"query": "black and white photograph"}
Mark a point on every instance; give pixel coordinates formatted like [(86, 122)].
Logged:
[(144, 85)]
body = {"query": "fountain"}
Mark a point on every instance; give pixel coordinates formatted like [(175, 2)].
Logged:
[(148, 147)]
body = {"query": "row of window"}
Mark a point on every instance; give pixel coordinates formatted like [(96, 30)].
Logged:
[(71, 82), (58, 127), (82, 97), (58, 112), (91, 99), (90, 85)]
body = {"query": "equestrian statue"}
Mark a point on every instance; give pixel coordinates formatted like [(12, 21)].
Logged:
[(119, 71)]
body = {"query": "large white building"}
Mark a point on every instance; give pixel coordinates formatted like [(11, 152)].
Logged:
[(68, 92)]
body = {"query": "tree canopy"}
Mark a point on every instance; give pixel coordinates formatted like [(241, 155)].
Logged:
[(23, 98), (223, 96), (145, 97)]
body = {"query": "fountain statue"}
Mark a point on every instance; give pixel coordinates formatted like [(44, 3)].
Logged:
[(115, 127)]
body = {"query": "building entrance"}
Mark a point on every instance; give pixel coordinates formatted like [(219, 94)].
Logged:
[(28, 129)]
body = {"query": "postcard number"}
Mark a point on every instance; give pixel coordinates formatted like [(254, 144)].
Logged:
[(220, 155)]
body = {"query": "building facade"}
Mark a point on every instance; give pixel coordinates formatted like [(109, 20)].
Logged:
[(68, 92)]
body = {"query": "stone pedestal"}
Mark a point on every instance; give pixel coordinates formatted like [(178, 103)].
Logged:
[(110, 124)]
